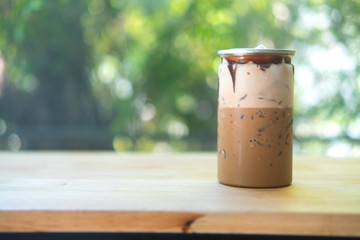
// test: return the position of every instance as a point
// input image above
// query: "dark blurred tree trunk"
(54, 50)
(59, 57)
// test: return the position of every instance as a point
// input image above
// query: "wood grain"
(172, 192)
(96, 221)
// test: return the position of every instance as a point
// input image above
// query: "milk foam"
(270, 87)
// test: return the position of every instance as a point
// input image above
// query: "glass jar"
(255, 117)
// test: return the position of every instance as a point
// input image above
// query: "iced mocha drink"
(255, 117)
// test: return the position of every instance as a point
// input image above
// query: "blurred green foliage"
(142, 75)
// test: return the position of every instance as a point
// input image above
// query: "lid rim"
(254, 51)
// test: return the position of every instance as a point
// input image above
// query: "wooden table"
(172, 193)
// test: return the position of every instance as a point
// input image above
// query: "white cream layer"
(254, 87)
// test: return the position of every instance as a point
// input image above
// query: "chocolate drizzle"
(264, 66)
(268, 99)
(243, 97)
(232, 71)
(263, 62)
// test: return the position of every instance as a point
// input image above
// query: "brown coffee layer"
(255, 146)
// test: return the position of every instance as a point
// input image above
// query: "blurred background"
(141, 75)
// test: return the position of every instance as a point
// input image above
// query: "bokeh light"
(2, 127)
(142, 75)
(14, 142)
